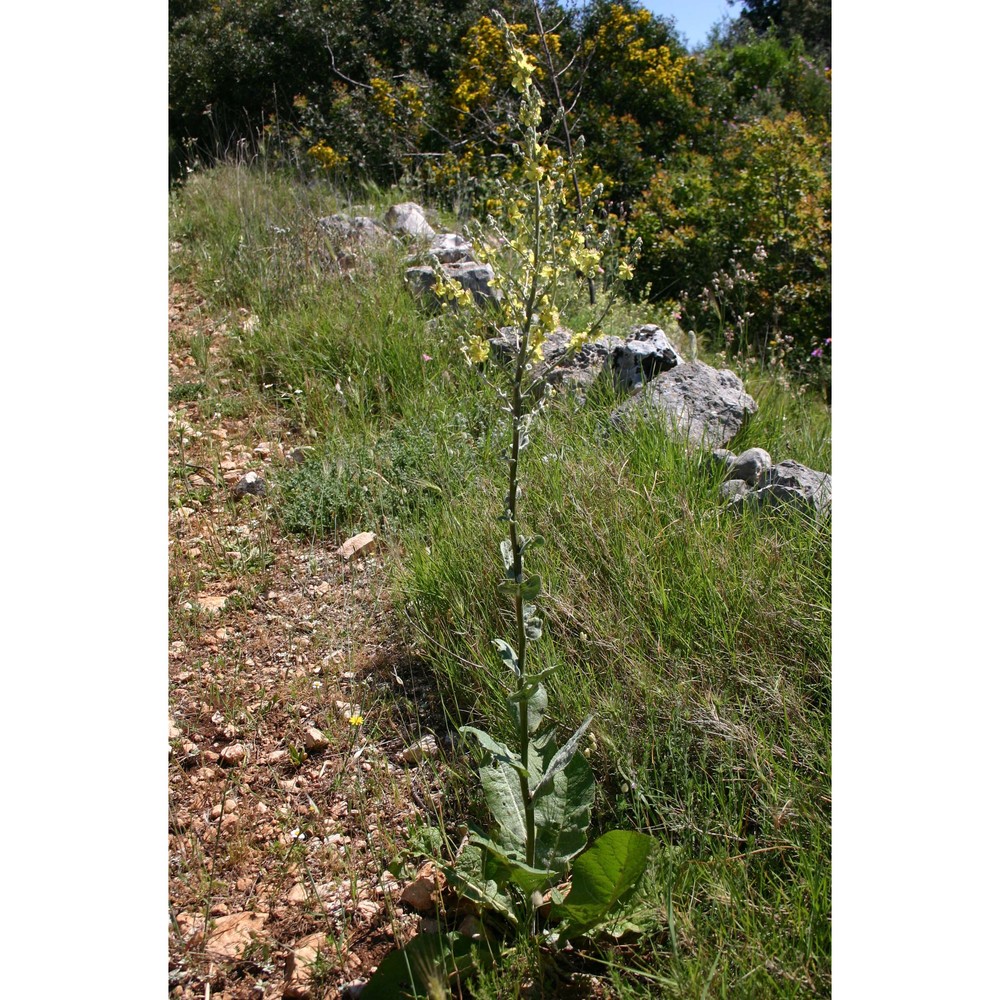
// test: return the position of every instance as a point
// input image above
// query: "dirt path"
(289, 707)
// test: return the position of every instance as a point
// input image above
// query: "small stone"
(210, 604)
(733, 488)
(297, 456)
(315, 739)
(367, 911)
(300, 963)
(277, 757)
(298, 894)
(471, 927)
(356, 545)
(173, 732)
(234, 754)
(251, 484)
(263, 449)
(233, 934)
(419, 894)
(751, 466)
(230, 824)
(426, 746)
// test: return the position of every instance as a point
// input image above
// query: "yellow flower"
(477, 350)
(355, 720)
(625, 271)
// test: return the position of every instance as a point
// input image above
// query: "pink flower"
(425, 357)
(818, 353)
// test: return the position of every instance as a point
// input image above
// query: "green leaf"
(603, 878)
(532, 623)
(531, 542)
(502, 788)
(478, 881)
(528, 589)
(507, 551)
(499, 750)
(562, 809)
(562, 757)
(508, 654)
(527, 879)
(407, 972)
(537, 699)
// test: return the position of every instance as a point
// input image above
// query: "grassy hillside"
(700, 640)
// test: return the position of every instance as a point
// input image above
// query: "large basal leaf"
(471, 877)
(406, 972)
(527, 879)
(499, 751)
(562, 807)
(502, 788)
(562, 757)
(603, 878)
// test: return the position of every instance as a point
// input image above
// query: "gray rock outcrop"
(695, 403)
(645, 353)
(352, 229)
(451, 248)
(408, 218)
(642, 354)
(471, 275)
(791, 483)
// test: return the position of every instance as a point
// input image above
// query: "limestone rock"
(300, 963)
(694, 403)
(250, 484)
(471, 275)
(791, 484)
(315, 740)
(451, 248)
(233, 934)
(357, 229)
(234, 754)
(356, 545)
(751, 466)
(408, 217)
(645, 353)
(426, 746)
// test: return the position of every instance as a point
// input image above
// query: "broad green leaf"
(406, 972)
(562, 757)
(527, 879)
(471, 880)
(502, 788)
(537, 699)
(508, 654)
(499, 750)
(603, 878)
(562, 809)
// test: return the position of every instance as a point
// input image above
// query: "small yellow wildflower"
(356, 720)
(625, 271)
(477, 350)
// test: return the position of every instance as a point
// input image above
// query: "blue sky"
(694, 17)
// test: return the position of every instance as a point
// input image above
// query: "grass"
(700, 640)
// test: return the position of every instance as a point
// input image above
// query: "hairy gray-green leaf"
(527, 879)
(507, 551)
(537, 700)
(508, 654)
(532, 623)
(562, 757)
(500, 751)
(562, 810)
(469, 877)
(603, 878)
(530, 542)
(502, 788)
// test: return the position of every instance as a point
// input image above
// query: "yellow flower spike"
(477, 350)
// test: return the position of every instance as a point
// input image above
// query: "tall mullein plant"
(540, 794)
